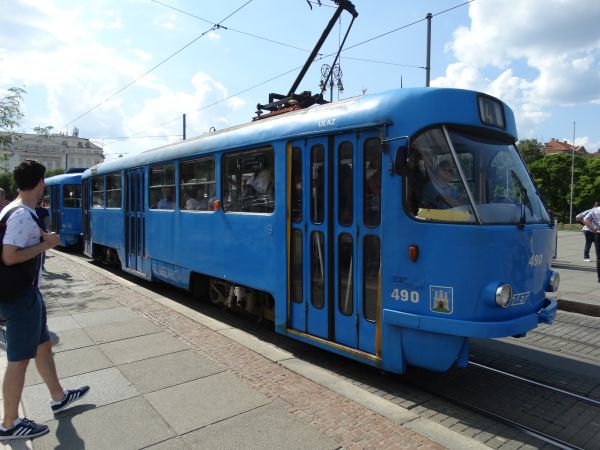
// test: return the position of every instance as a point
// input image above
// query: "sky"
(125, 71)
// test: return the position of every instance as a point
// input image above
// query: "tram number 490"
(405, 295)
(536, 260)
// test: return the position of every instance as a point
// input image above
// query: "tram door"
(335, 217)
(309, 238)
(55, 209)
(135, 218)
(86, 214)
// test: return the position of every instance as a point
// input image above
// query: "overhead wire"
(231, 29)
(214, 27)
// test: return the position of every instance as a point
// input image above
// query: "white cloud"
(142, 55)
(161, 116)
(213, 36)
(170, 22)
(56, 54)
(557, 42)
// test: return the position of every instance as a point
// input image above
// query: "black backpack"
(16, 279)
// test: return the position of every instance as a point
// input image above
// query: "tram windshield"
(469, 178)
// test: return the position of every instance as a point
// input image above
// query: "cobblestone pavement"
(349, 424)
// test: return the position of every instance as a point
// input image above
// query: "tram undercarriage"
(240, 299)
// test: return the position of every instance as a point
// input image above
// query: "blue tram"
(65, 206)
(389, 228)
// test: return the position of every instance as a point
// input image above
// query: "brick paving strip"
(348, 423)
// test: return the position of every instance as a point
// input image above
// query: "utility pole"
(184, 127)
(572, 175)
(428, 61)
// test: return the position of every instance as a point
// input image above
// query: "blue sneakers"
(23, 429)
(71, 395)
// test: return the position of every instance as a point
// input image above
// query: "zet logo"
(519, 299)
(441, 299)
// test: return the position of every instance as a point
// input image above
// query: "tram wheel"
(218, 291)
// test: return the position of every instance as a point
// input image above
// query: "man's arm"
(587, 221)
(11, 254)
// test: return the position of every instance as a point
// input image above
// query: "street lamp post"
(329, 73)
(572, 176)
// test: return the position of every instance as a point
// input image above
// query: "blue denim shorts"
(26, 326)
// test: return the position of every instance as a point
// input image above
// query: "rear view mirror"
(401, 162)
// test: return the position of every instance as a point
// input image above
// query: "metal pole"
(331, 88)
(428, 61)
(184, 127)
(572, 175)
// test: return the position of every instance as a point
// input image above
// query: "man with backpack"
(22, 305)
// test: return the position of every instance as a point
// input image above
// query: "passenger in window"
(438, 192)
(258, 193)
(168, 201)
(263, 182)
(199, 202)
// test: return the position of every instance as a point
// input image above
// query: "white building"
(56, 151)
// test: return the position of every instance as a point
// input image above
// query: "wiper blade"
(524, 197)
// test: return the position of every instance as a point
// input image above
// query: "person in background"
(587, 233)
(3, 201)
(168, 200)
(592, 221)
(27, 335)
(199, 201)
(44, 217)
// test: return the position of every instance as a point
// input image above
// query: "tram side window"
(372, 180)
(317, 184)
(345, 185)
(98, 192)
(371, 263)
(162, 187)
(113, 190)
(197, 184)
(296, 185)
(345, 275)
(72, 196)
(296, 286)
(249, 181)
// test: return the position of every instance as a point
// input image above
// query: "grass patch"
(569, 227)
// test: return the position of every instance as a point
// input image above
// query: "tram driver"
(439, 193)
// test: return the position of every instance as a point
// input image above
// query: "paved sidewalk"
(579, 290)
(164, 376)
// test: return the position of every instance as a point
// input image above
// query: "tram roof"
(64, 178)
(415, 107)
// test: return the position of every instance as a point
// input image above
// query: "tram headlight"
(503, 295)
(552, 281)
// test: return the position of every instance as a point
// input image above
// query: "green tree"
(10, 118)
(7, 182)
(43, 131)
(587, 188)
(552, 175)
(531, 150)
(10, 112)
(51, 173)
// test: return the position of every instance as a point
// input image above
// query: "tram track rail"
(558, 443)
(564, 392)
(493, 410)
